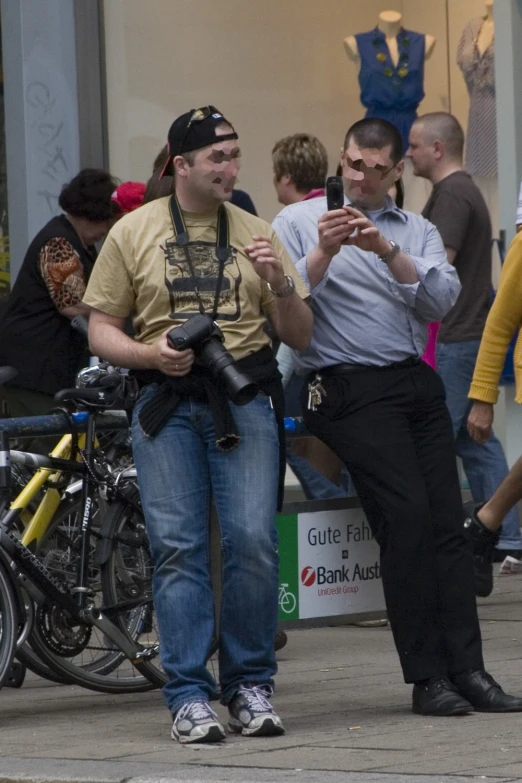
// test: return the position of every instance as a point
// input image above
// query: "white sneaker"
(252, 715)
(197, 722)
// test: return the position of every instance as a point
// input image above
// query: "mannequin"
(390, 24)
(487, 30)
(476, 59)
(390, 62)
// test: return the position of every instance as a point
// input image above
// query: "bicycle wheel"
(26, 655)
(60, 551)
(127, 579)
(8, 624)
(126, 574)
(80, 652)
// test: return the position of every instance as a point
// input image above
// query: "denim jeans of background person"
(377, 278)
(458, 210)
(175, 259)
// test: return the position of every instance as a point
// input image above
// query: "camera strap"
(222, 248)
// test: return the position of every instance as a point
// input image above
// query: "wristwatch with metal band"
(288, 290)
(388, 258)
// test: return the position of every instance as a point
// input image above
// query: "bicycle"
(57, 616)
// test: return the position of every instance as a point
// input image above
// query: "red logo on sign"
(308, 576)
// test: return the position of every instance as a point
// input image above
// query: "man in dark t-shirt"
(457, 208)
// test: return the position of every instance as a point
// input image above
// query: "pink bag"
(430, 354)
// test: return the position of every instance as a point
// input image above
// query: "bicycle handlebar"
(60, 424)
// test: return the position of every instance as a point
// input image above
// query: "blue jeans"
(177, 471)
(485, 465)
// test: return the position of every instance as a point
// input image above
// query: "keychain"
(316, 392)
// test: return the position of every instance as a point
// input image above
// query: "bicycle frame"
(37, 525)
(31, 574)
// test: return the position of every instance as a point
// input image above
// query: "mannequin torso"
(487, 31)
(390, 24)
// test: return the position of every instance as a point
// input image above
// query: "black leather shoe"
(437, 696)
(486, 695)
(281, 640)
(484, 542)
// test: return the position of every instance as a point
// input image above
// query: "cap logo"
(217, 116)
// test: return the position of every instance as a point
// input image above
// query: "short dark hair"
(443, 126)
(304, 158)
(399, 198)
(372, 132)
(88, 196)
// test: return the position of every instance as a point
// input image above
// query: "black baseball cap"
(194, 130)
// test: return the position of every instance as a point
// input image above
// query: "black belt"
(342, 369)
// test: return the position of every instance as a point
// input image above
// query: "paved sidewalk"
(345, 707)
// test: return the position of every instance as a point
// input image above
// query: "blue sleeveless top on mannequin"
(392, 92)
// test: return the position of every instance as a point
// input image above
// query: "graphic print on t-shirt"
(180, 283)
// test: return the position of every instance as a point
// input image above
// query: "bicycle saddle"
(102, 396)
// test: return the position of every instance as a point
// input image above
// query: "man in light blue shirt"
(377, 276)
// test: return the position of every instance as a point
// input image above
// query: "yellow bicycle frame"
(37, 524)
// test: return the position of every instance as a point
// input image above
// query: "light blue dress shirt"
(362, 314)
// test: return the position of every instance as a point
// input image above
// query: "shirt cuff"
(303, 271)
(425, 271)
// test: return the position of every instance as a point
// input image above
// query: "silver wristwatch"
(288, 290)
(388, 258)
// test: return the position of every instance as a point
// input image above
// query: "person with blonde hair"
(300, 168)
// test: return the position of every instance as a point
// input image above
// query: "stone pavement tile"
(455, 761)
(115, 772)
(310, 757)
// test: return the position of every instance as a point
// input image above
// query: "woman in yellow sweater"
(504, 319)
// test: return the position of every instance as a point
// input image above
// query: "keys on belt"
(316, 392)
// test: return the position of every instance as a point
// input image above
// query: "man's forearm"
(74, 310)
(293, 321)
(110, 343)
(403, 269)
(317, 263)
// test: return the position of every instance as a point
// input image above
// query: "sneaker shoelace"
(197, 710)
(257, 698)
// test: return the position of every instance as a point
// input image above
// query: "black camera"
(206, 339)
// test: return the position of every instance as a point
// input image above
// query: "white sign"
(339, 564)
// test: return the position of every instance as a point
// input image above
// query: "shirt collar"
(391, 208)
(315, 193)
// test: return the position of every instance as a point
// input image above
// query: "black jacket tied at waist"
(199, 385)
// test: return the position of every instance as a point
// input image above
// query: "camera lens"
(240, 388)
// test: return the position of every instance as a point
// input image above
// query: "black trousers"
(391, 428)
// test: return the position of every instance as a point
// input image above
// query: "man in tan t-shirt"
(190, 260)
